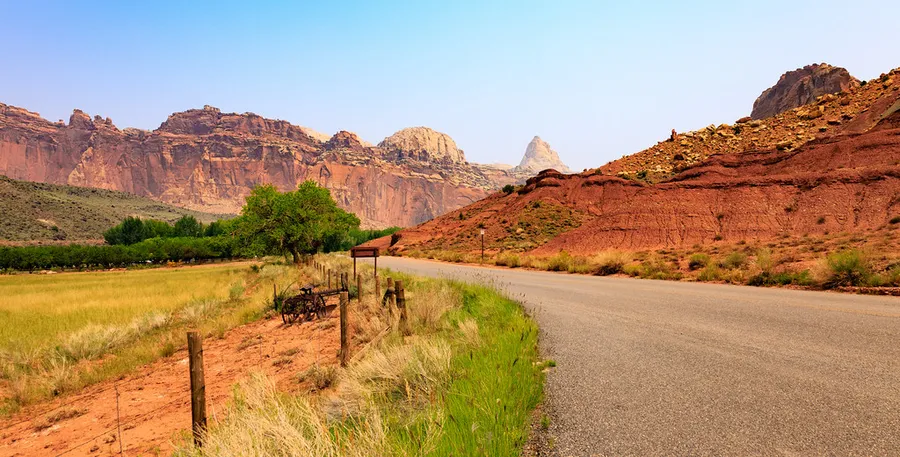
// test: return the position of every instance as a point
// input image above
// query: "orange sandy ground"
(154, 401)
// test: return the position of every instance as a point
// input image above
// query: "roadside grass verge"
(60, 333)
(834, 261)
(462, 380)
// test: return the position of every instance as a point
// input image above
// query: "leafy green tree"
(157, 229)
(188, 226)
(292, 223)
(217, 228)
(130, 231)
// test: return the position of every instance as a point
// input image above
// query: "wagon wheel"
(320, 309)
(309, 313)
(286, 309)
(303, 310)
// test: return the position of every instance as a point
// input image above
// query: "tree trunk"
(296, 255)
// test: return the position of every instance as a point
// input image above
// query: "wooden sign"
(359, 252)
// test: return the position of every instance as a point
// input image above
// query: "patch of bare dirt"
(154, 402)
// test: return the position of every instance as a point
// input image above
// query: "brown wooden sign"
(359, 252)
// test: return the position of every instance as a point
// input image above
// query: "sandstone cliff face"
(424, 144)
(801, 87)
(540, 156)
(208, 160)
(847, 183)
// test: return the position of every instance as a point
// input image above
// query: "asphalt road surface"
(668, 368)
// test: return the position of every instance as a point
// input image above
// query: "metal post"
(345, 297)
(358, 289)
(198, 387)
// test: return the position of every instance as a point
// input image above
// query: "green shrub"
(581, 265)
(450, 256)
(710, 273)
(509, 188)
(658, 269)
(633, 270)
(892, 276)
(734, 261)
(766, 278)
(560, 262)
(508, 259)
(610, 263)
(848, 268)
(698, 261)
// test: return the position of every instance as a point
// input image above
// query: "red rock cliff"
(207, 160)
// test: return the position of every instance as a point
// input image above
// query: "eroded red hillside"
(855, 110)
(843, 183)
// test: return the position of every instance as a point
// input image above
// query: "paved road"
(667, 368)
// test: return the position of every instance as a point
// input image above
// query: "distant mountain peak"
(540, 156)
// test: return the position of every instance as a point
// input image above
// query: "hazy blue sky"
(597, 80)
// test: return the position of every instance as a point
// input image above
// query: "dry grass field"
(61, 332)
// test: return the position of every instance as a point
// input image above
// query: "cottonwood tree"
(295, 222)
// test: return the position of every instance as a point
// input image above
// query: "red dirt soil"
(155, 401)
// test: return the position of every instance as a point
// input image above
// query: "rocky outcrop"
(423, 144)
(801, 87)
(540, 156)
(853, 111)
(207, 160)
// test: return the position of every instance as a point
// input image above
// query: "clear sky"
(597, 80)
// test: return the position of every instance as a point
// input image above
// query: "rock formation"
(801, 87)
(207, 160)
(423, 144)
(540, 156)
(845, 183)
(855, 110)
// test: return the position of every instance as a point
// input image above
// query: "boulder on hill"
(801, 87)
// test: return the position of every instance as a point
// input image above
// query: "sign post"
(482, 246)
(362, 252)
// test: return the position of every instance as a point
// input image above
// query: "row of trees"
(134, 230)
(155, 250)
(294, 223)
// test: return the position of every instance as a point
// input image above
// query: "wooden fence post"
(359, 288)
(345, 298)
(329, 279)
(198, 387)
(401, 303)
(377, 288)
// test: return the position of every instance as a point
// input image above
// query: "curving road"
(669, 368)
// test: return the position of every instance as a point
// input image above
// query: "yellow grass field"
(61, 332)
